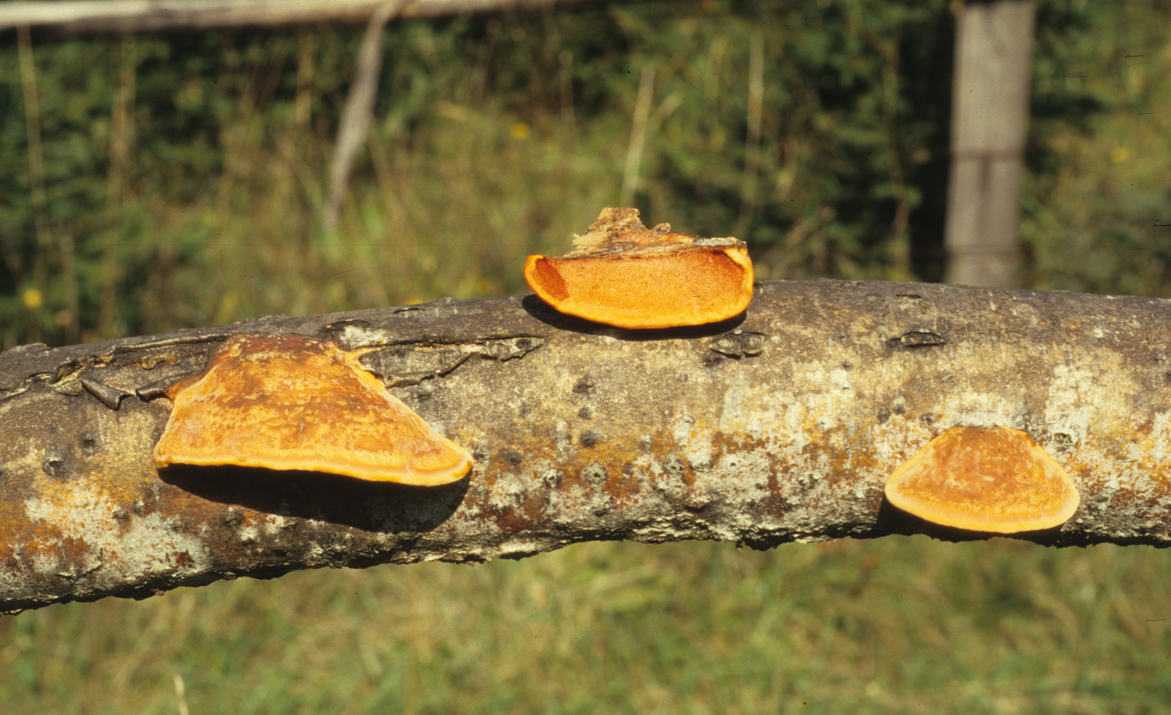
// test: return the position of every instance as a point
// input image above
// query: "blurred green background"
(170, 180)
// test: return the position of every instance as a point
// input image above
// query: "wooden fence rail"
(152, 15)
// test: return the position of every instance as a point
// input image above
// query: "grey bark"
(153, 15)
(779, 426)
(990, 112)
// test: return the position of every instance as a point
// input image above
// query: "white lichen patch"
(827, 392)
(524, 547)
(274, 524)
(1091, 410)
(1159, 451)
(698, 452)
(138, 547)
(735, 400)
(737, 479)
(510, 490)
(681, 427)
(977, 409)
(247, 534)
(578, 506)
(1080, 397)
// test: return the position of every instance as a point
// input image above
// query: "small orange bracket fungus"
(291, 402)
(623, 274)
(992, 479)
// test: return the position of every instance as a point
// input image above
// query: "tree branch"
(782, 427)
(358, 114)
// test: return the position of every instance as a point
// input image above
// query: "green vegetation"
(179, 181)
(901, 625)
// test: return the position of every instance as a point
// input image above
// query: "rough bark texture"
(153, 15)
(782, 425)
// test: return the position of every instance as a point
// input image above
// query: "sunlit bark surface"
(781, 425)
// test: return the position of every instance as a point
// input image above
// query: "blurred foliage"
(183, 174)
(1097, 196)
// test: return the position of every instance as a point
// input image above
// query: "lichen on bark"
(780, 425)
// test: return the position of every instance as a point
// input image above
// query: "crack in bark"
(781, 425)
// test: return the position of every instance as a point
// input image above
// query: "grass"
(901, 625)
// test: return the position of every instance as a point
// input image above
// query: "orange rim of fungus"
(991, 479)
(294, 403)
(628, 276)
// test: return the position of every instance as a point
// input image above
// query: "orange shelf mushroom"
(291, 402)
(992, 479)
(626, 275)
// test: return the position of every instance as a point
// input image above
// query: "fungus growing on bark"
(291, 402)
(992, 479)
(623, 274)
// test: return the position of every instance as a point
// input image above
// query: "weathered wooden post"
(990, 111)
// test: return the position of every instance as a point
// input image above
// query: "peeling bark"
(781, 425)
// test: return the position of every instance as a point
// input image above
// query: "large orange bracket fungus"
(991, 479)
(291, 402)
(626, 275)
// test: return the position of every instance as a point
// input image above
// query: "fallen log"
(780, 425)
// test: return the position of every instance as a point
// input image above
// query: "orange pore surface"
(690, 286)
(992, 479)
(290, 402)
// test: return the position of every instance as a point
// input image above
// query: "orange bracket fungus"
(992, 479)
(623, 274)
(291, 402)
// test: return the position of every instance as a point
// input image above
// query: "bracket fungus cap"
(992, 479)
(626, 275)
(291, 402)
